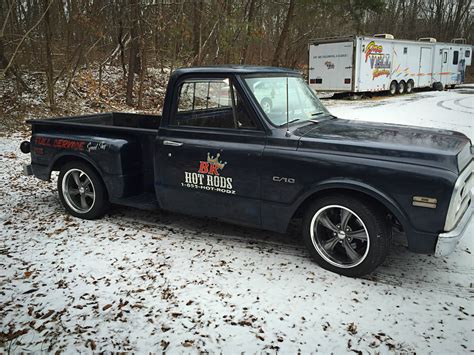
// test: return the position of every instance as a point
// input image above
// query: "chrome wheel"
(339, 236)
(266, 106)
(78, 191)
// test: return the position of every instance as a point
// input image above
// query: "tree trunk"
(283, 34)
(243, 57)
(133, 52)
(197, 37)
(49, 57)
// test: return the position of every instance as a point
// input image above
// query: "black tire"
(266, 105)
(366, 219)
(393, 88)
(438, 86)
(409, 87)
(82, 191)
(401, 87)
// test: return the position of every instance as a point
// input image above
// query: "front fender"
(358, 186)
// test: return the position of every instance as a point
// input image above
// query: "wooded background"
(59, 37)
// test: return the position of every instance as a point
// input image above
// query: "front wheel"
(82, 191)
(393, 88)
(346, 235)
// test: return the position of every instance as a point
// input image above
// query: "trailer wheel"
(346, 235)
(438, 86)
(401, 87)
(393, 88)
(409, 86)
(82, 191)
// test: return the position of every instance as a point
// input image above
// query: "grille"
(461, 197)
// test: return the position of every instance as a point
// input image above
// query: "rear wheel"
(346, 235)
(82, 191)
(393, 88)
(438, 86)
(401, 87)
(409, 86)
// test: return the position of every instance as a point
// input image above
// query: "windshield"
(271, 94)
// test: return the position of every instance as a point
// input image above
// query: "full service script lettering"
(60, 143)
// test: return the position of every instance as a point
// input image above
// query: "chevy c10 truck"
(254, 146)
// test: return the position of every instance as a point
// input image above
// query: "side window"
(455, 57)
(405, 50)
(467, 54)
(213, 103)
(445, 57)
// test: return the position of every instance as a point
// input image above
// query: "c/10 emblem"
(284, 179)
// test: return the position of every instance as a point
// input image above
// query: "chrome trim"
(27, 170)
(461, 197)
(173, 143)
(448, 241)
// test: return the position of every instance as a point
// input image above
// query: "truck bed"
(111, 120)
(127, 156)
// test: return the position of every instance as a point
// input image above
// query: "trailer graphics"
(379, 61)
(369, 64)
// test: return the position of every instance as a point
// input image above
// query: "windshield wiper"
(317, 113)
(293, 120)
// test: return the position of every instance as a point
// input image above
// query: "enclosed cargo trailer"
(369, 64)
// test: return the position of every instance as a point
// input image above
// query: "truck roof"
(234, 69)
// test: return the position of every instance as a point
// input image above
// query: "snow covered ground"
(453, 109)
(148, 281)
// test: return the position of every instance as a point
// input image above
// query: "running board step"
(144, 201)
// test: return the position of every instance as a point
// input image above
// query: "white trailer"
(381, 63)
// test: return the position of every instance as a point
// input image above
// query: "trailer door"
(444, 72)
(330, 66)
(424, 68)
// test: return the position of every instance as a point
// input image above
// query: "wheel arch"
(66, 157)
(353, 188)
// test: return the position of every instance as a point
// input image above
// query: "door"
(444, 72)
(424, 68)
(331, 66)
(208, 158)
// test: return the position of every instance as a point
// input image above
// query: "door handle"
(173, 143)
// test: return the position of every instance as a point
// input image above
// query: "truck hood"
(408, 144)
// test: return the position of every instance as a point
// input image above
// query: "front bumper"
(448, 241)
(27, 170)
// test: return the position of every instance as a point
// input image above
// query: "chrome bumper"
(448, 241)
(27, 170)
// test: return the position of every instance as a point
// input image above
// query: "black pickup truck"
(254, 146)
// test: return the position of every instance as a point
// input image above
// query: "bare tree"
(284, 34)
(133, 61)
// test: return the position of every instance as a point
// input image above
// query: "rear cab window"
(211, 103)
